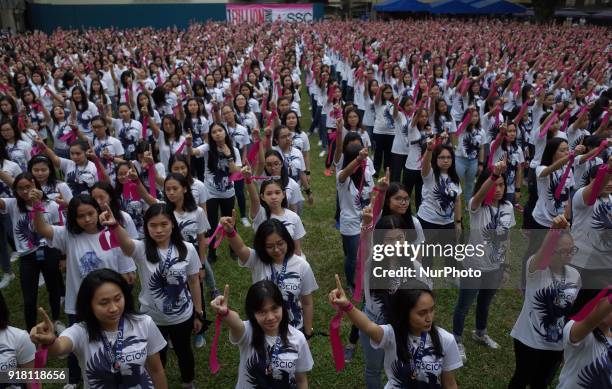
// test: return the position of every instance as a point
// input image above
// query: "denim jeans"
(374, 359)
(466, 170)
(482, 290)
(350, 244)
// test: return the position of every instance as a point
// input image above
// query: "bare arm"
(308, 308)
(156, 371)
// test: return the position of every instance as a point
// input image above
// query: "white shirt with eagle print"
(141, 339)
(548, 207)
(16, 349)
(592, 232)
(293, 358)
(290, 220)
(26, 240)
(438, 206)
(428, 370)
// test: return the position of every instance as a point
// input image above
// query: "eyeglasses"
(571, 251)
(445, 157)
(273, 164)
(401, 200)
(278, 245)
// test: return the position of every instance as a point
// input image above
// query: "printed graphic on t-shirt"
(428, 369)
(80, 181)
(283, 373)
(552, 187)
(495, 236)
(7, 358)
(553, 304)
(602, 221)
(471, 144)
(88, 263)
(25, 232)
(597, 373)
(169, 285)
(445, 195)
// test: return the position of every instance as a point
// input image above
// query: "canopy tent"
(451, 6)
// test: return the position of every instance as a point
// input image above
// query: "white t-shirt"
(540, 145)
(84, 255)
(469, 142)
(114, 148)
(586, 364)
(198, 190)
(26, 240)
(294, 161)
(352, 202)
(293, 192)
(293, 358)
(547, 300)
(141, 339)
(217, 182)
(301, 141)
(429, 368)
(591, 232)
(582, 170)
(60, 188)
(400, 145)
(438, 204)
(547, 207)
(290, 220)
(129, 134)
(298, 281)
(239, 135)
(60, 129)
(84, 118)
(13, 170)
(164, 290)
(384, 122)
(192, 224)
(16, 349)
(20, 153)
(490, 227)
(166, 150)
(80, 179)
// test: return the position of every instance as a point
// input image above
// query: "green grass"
(322, 245)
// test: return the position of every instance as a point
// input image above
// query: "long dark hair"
(350, 153)
(213, 153)
(177, 128)
(84, 103)
(284, 178)
(149, 107)
(267, 228)
(181, 158)
(21, 203)
(552, 145)
(176, 238)
(81, 199)
(483, 177)
(393, 189)
(92, 282)
(113, 202)
(262, 190)
(401, 303)
(452, 173)
(52, 179)
(189, 203)
(256, 297)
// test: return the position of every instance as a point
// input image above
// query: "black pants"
(197, 168)
(414, 180)
(212, 210)
(180, 335)
(438, 233)
(74, 371)
(240, 199)
(382, 150)
(534, 368)
(397, 166)
(29, 271)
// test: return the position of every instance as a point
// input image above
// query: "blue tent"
(402, 6)
(451, 7)
(497, 7)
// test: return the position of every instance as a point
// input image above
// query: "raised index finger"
(338, 283)
(45, 316)
(226, 294)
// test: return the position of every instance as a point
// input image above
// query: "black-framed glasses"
(571, 251)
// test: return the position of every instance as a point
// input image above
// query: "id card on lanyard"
(113, 354)
(417, 356)
(279, 278)
(273, 356)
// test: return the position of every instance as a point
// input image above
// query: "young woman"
(274, 258)
(416, 351)
(400, 147)
(82, 110)
(273, 353)
(80, 173)
(222, 159)
(197, 122)
(587, 344)
(549, 294)
(115, 345)
(18, 349)
(98, 96)
(509, 151)
(168, 269)
(299, 138)
(271, 203)
(441, 206)
(293, 158)
(273, 166)
(469, 155)
(128, 130)
(34, 255)
(43, 171)
(418, 133)
(170, 139)
(107, 148)
(80, 241)
(490, 226)
(60, 127)
(18, 150)
(179, 164)
(104, 194)
(384, 127)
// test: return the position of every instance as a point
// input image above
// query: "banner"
(264, 13)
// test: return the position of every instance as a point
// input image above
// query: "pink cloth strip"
(548, 123)
(112, 240)
(335, 341)
(590, 306)
(602, 146)
(151, 177)
(213, 361)
(598, 183)
(549, 248)
(566, 173)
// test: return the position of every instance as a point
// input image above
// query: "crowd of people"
(123, 155)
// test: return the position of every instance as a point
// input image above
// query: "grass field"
(322, 245)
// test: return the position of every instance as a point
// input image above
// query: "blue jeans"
(482, 290)
(350, 244)
(373, 359)
(466, 170)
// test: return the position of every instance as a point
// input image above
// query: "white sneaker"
(6, 280)
(41, 280)
(322, 154)
(70, 386)
(486, 340)
(319, 143)
(59, 327)
(245, 222)
(14, 256)
(462, 352)
(170, 345)
(199, 341)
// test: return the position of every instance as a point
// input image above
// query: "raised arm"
(350, 168)
(220, 306)
(559, 223)
(235, 241)
(426, 168)
(125, 242)
(254, 203)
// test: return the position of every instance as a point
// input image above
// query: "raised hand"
(36, 195)
(106, 217)
(560, 223)
(228, 223)
(220, 303)
(337, 296)
(367, 216)
(383, 182)
(44, 332)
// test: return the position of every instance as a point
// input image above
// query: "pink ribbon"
(488, 200)
(494, 147)
(38, 149)
(597, 184)
(145, 127)
(566, 173)
(213, 361)
(218, 231)
(335, 341)
(464, 85)
(252, 154)
(126, 95)
(548, 123)
(70, 136)
(549, 248)
(330, 144)
(566, 119)
(40, 361)
(496, 113)
(99, 169)
(32, 214)
(181, 147)
(60, 212)
(110, 242)
(464, 124)
(151, 177)
(590, 306)
(237, 176)
(600, 148)
(130, 191)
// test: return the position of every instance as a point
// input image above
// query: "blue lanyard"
(273, 356)
(279, 278)
(115, 357)
(418, 355)
(166, 264)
